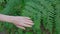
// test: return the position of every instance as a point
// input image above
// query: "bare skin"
(19, 21)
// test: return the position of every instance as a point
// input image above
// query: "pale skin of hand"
(19, 21)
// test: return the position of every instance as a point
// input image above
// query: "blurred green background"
(44, 13)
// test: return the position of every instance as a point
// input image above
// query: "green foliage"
(44, 13)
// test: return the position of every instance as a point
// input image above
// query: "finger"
(21, 27)
(27, 17)
(29, 20)
(24, 25)
(29, 23)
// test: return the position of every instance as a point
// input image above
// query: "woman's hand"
(21, 22)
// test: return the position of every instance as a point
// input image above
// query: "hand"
(21, 22)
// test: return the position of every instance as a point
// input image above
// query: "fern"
(44, 13)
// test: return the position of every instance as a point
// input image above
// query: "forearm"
(4, 18)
